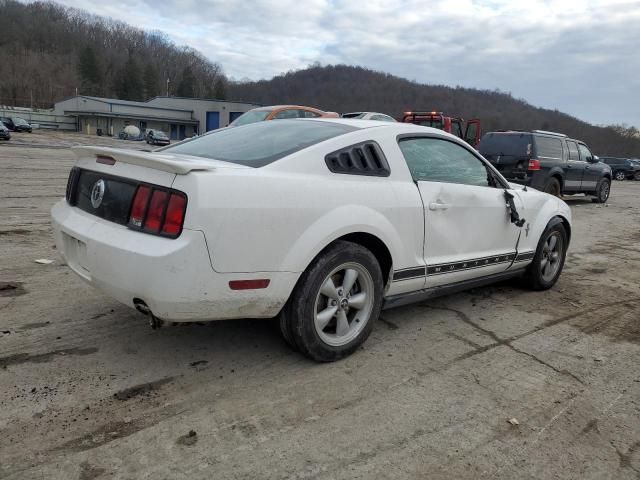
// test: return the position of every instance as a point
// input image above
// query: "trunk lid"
(104, 180)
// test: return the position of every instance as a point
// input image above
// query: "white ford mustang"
(320, 222)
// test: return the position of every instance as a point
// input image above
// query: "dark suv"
(623, 168)
(547, 161)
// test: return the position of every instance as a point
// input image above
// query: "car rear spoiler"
(171, 163)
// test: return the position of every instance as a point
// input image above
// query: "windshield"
(352, 115)
(251, 116)
(261, 143)
(19, 121)
(159, 134)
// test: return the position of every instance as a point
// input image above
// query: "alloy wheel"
(344, 304)
(551, 258)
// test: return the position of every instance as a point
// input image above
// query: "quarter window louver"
(366, 158)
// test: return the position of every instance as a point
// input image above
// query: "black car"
(623, 168)
(16, 124)
(157, 137)
(547, 161)
(5, 134)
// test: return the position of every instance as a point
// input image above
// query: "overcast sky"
(581, 57)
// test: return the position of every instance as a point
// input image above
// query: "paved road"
(88, 390)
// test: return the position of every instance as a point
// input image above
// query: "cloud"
(577, 56)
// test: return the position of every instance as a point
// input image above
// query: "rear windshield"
(353, 115)
(505, 144)
(261, 143)
(251, 116)
(434, 122)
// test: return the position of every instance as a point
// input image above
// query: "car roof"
(280, 107)
(363, 124)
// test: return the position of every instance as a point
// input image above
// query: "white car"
(320, 222)
(383, 117)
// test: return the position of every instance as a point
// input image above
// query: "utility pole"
(168, 81)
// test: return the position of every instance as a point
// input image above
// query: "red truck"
(469, 131)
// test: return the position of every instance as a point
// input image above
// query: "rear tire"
(549, 259)
(620, 176)
(603, 189)
(335, 304)
(553, 187)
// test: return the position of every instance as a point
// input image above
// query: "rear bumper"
(173, 277)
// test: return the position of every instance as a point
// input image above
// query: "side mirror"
(594, 159)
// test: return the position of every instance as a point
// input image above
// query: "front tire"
(603, 189)
(549, 259)
(553, 187)
(335, 303)
(620, 176)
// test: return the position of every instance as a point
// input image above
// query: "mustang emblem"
(97, 193)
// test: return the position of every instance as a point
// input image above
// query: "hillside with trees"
(345, 88)
(49, 50)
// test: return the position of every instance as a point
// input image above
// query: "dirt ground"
(89, 391)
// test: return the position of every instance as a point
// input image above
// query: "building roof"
(130, 115)
(130, 103)
(206, 100)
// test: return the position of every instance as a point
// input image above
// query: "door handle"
(438, 206)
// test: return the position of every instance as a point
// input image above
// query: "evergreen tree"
(187, 86)
(129, 84)
(151, 84)
(90, 72)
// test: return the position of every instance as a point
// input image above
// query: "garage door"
(234, 115)
(213, 120)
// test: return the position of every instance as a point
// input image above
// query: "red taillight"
(139, 206)
(159, 211)
(175, 214)
(534, 165)
(156, 210)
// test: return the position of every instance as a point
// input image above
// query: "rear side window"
(287, 114)
(573, 150)
(259, 144)
(505, 145)
(548, 147)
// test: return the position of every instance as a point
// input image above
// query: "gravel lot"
(88, 390)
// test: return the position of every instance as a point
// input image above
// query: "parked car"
(322, 223)
(369, 116)
(5, 134)
(279, 112)
(623, 168)
(547, 161)
(17, 124)
(156, 137)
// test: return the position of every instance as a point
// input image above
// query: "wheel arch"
(558, 174)
(561, 220)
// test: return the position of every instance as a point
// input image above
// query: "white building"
(179, 117)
